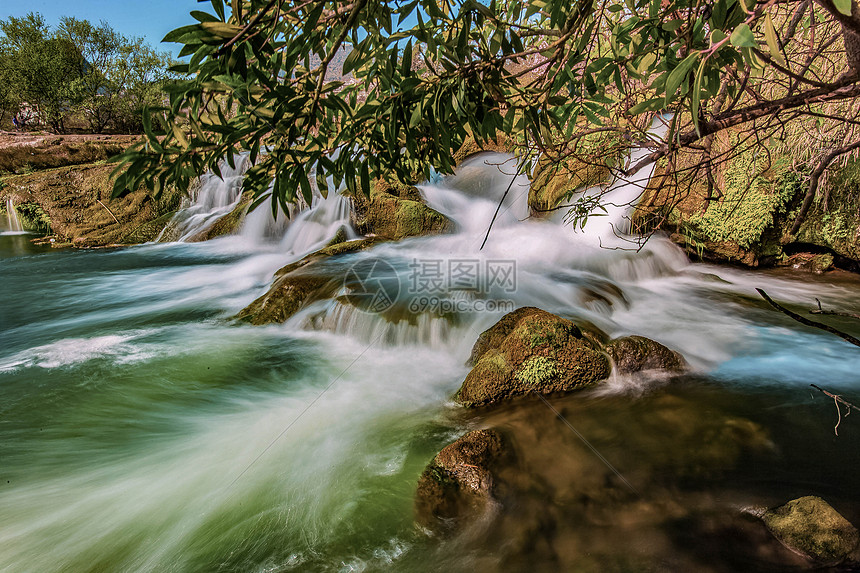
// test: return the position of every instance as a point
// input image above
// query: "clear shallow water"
(142, 430)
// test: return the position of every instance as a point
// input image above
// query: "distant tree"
(120, 75)
(79, 68)
(140, 74)
(43, 69)
(99, 47)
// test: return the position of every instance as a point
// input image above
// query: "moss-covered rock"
(812, 262)
(76, 203)
(459, 482)
(635, 353)
(809, 525)
(531, 350)
(396, 211)
(553, 183)
(301, 283)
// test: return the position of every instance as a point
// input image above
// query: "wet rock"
(810, 526)
(225, 225)
(459, 483)
(635, 353)
(811, 262)
(302, 283)
(531, 350)
(396, 212)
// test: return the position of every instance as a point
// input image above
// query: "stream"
(141, 429)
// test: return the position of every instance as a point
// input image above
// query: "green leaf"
(844, 6)
(743, 37)
(678, 75)
(772, 43)
(406, 64)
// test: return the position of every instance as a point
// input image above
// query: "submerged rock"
(635, 353)
(531, 350)
(810, 526)
(459, 482)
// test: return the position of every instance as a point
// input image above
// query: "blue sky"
(151, 19)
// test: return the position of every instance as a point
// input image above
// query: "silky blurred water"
(142, 429)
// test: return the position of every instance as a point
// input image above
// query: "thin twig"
(832, 312)
(499, 207)
(108, 210)
(845, 336)
(837, 399)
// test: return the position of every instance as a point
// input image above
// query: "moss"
(811, 526)
(287, 295)
(387, 212)
(33, 218)
(149, 231)
(77, 201)
(301, 283)
(537, 370)
(531, 350)
(754, 193)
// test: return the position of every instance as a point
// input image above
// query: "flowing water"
(13, 224)
(143, 430)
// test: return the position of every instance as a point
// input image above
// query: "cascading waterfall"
(212, 198)
(12, 217)
(143, 432)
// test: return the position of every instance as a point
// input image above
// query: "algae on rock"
(810, 525)
(531, 350)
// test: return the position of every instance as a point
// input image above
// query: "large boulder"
(810, 526)
(531, 350)
(636, 353)
(396, 211)
(459, 483)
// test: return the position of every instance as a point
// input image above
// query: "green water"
(142, 430)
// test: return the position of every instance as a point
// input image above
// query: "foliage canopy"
(417, 78)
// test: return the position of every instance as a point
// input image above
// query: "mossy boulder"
(396, 211)
(301, 283)
(636, 353)
(810, 526)
(553, 183)
(459, 482)
(531, 350)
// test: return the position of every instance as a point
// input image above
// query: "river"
(141, 429)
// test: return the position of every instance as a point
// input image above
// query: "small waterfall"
(212, 198)
(12, 217)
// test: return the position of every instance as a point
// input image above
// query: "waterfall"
(13, 222)
(212, 198)
(549, 264)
